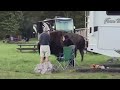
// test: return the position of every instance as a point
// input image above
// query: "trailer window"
(113, 12)
(65, 25)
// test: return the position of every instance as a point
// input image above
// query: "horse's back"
(78, 40)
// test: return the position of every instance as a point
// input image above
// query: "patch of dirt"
(117, 70)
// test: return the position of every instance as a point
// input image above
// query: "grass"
(17, 65)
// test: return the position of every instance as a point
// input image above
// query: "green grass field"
(17, 65)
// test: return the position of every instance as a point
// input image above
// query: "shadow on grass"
(28, 52)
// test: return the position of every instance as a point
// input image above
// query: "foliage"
(20, 22)
(10, 22)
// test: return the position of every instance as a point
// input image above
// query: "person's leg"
(48, 64)
(41, 59)
(47, 59)
(42, 56)
(47, 54)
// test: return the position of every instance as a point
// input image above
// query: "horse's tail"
(82, 47)
(82, 44)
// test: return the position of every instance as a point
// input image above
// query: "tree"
(20, 22)
(10, 22)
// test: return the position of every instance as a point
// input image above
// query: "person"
(7, 38)
(45, 65)
(68, 42)
(11, 38)
(44, 41)
(27, 39)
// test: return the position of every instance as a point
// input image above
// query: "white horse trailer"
(103, 32)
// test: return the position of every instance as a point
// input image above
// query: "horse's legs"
(38, 46)
(82, 54)
(75, 52)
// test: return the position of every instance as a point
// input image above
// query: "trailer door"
(109, 38)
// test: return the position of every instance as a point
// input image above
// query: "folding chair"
(67, 57)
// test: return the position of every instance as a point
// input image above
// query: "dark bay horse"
(56, 43)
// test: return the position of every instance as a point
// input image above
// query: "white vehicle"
(56, 24)
(103, 32)
(61, 24)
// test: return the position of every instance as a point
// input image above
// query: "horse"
(79, 42)
(56, 43)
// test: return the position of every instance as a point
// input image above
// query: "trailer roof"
(48, 19)
(64, 18)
